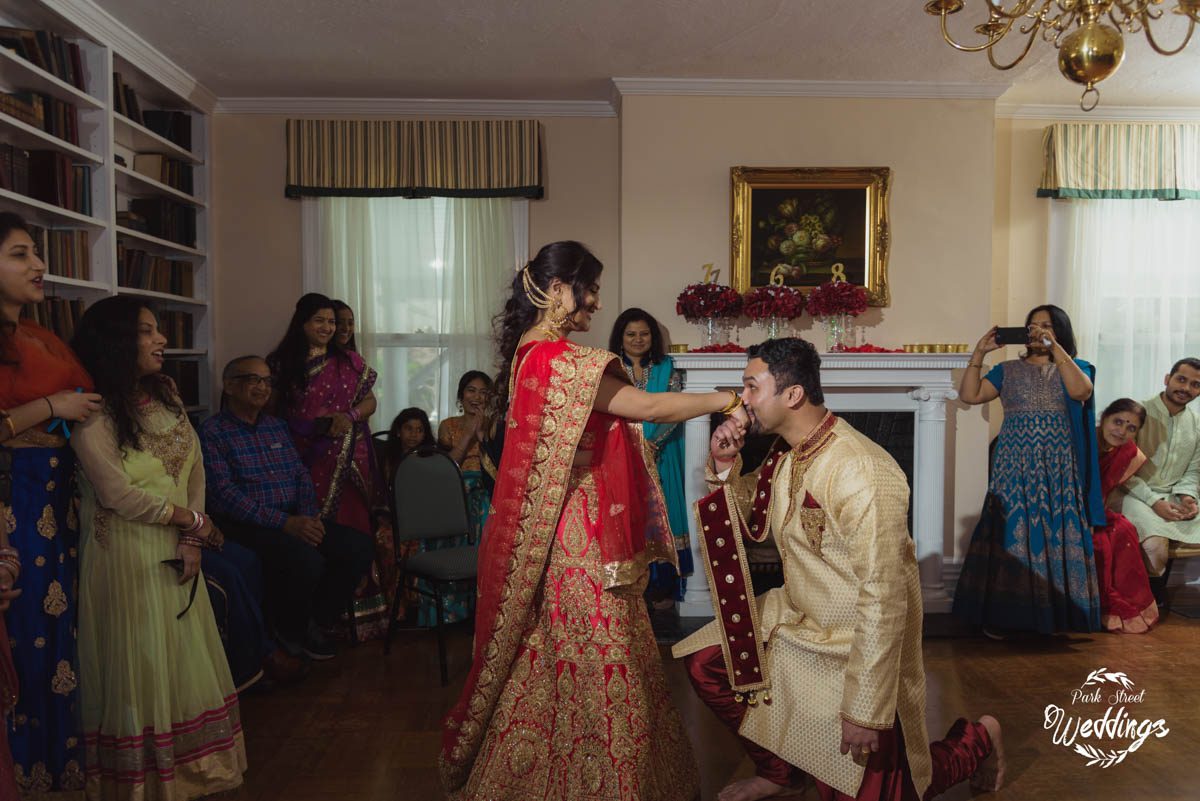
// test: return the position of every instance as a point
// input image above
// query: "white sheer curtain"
(1128, 273)
(425, 278)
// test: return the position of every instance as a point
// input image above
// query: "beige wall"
(257, 238)
(1021, 222)
(675, 158)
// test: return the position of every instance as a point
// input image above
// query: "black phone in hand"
(1016, 335)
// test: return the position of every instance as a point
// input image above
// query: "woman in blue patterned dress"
(1036, 571)
(41, 383)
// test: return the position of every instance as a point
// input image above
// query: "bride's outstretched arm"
(619, 398)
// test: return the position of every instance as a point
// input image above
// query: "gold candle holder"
(679, 348)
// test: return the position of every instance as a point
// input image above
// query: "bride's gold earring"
(558, 315)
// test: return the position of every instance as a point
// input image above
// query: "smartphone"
(1016, 335)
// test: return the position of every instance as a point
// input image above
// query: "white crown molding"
(135, 50)
(412, 107)
(727, 87)
(1072, 113)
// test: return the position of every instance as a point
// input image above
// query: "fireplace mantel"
(920, 383)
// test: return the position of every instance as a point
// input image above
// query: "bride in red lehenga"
(566, 698)
(1126, 602)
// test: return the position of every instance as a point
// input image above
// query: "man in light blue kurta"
(1161, 499)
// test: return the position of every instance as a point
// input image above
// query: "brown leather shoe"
(281, 668)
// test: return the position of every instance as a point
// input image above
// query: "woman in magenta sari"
(325, 394)
(1126, 603)
(566, 698)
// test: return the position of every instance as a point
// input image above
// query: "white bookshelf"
(108, 142)
(135, 184)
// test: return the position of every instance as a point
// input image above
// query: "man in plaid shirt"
(261, 495)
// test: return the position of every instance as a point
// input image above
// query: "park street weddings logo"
(1118, 731)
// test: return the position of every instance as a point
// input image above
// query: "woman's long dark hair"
(106, 342)
(341, 306)
(1128, 405)
(569, 262)
(1060, 322)
(470, 376)
(288, 362)
(616, 342)
(394, 450)
(9, 222)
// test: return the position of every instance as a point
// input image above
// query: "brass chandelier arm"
(1133, 16)
(1028, 44)
(971, 48)
(1020, 10)
(1150, 38)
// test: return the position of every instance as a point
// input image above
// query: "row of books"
(125, 100)
(172, 172)
(48, 51)
(176, 326)
(162, 218)
(186, 373)
(60, 315)
(46, 113)
(138, 269)
(66, 253)
(174, 126)
(46, 175)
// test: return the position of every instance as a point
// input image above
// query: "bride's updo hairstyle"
(572, 264)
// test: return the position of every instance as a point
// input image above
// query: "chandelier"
(1087, 33)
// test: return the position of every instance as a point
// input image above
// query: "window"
(425, 278)
(1128, 273)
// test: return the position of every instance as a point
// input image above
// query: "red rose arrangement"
(702, 301)
(728, 347)
(869, 348)
(837, 297)
(773, 301)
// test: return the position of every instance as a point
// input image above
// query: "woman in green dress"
(160, 713)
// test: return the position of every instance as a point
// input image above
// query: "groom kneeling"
(823, 675)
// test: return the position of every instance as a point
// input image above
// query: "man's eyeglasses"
(254, 380)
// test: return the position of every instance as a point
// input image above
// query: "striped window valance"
(414, 158)
(1121, 160)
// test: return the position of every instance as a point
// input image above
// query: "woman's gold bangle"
(733, 404)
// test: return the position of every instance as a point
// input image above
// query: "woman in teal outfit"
(637, 338)
(462, 436)
(1030, 565)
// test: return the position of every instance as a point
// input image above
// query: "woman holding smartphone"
(1036, 571)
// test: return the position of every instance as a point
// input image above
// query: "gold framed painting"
(802, 226)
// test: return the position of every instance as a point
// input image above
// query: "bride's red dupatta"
(555, 387)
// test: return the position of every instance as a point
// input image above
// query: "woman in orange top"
(41, 385)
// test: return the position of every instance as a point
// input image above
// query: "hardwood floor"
(367, 727)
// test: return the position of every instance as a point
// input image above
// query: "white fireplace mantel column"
(917, 383)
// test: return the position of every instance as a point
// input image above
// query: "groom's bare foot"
(750, 790)
(989, 777)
